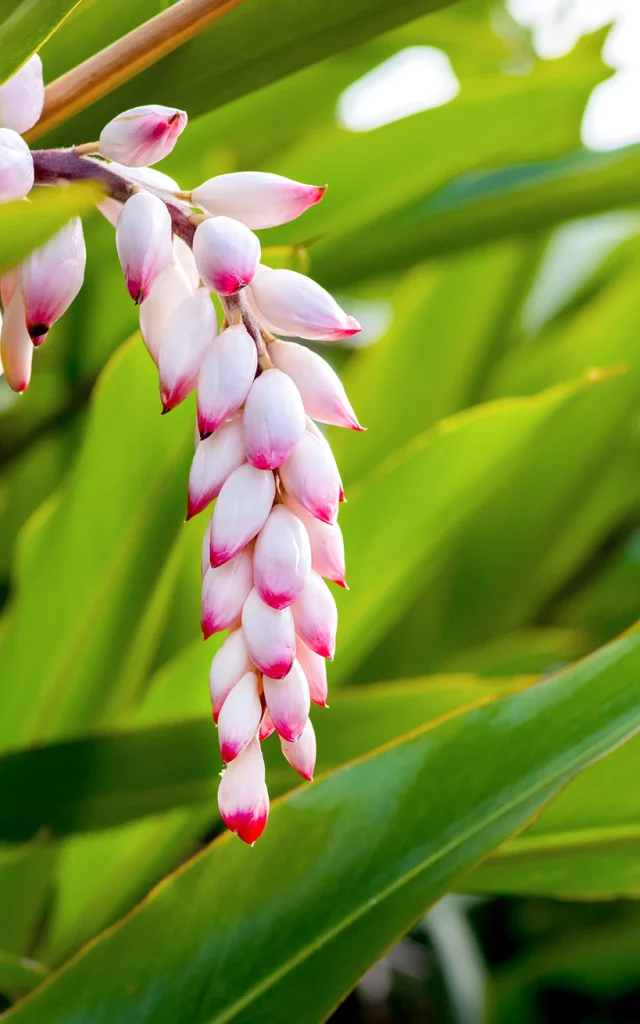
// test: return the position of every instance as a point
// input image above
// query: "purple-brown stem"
(52, 166)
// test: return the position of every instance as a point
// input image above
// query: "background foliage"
(492, 540)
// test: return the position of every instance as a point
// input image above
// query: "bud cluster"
(272, 539)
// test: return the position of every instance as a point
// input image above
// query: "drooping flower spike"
(272, 538)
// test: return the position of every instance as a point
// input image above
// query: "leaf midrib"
(306, 951)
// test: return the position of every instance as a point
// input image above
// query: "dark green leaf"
(366, 849)
(25, 225)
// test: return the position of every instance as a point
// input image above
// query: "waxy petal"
(320, 388)
(16, 166)
(230, 663)
(269, 636)
(266, 727)
(243, 504)
(187, 337)
(16, 347)
(292, 304)
(226, 374)
(226, 254)
(282, 558)
(242, 795)
(327, 544)
(288, 702)
(240, 717)
(214, 461)
(224, 592)
(314, 667)
(316, 617)
(170, 289)
(310, 476)
(51, 277)
(301, 754)
(257, 199)
(142, 135)
(274, 419)
(144, 243)
(22, 97)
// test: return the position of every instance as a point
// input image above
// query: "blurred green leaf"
(96, 558)
(25, 27)
(19, 973)
(414, 507)
(25, 884)
(26, 225)
(481, 207)
(387, 854)
(277, 38)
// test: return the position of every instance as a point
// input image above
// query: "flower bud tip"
(38, 333)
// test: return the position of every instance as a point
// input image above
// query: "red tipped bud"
(257, 199)
(269, 636)
(224, 592)
(242, 795)
(142, 135)
(241, 511)
(288, 702)
(282, 559)
(226, 374)
(226, 253)
(292, 304)
(274, 419)
(143, 240)
(316, 617)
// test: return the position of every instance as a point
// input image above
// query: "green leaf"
(410, 511)
(277, 38)
(481, 207)
(367, 849)
(25, 882)
(19, 973)
(26, 27)
(25, 225)
(100, 781)
(96, 558)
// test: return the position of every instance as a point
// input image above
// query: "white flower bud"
(291, 304)
(51, 277)
(226, 253)
(143, 241)
(259, 200)
(16, 166)
(142, 135)
(22, 97)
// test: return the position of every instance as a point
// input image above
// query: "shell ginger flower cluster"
(272, 539)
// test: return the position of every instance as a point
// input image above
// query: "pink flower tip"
(246, 826)
(38, 333)
(318, 194)
(279, 669)
(229, 750)
(218, 556)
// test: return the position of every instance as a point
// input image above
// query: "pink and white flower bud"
(292, 304)
(170, 289)
(22, 97)
(314, 429)
(16, 166)
(226, 374)
(327, 544)
(226, 254)
(321, 389)
(314, 667)
(51, 277)
(230, 663)
(282, 559)
(242, 795)
(257, 199)
(240, 717)
(301, 755)
(187, 337)
(243, 504)
(16, 347)
(142, 135)
(288, 702)
(316, 617)
(144, 243)
(224, 592)
(213, 463)
(274, 419)
(266, 727)
(311, 477)
(269, 635)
